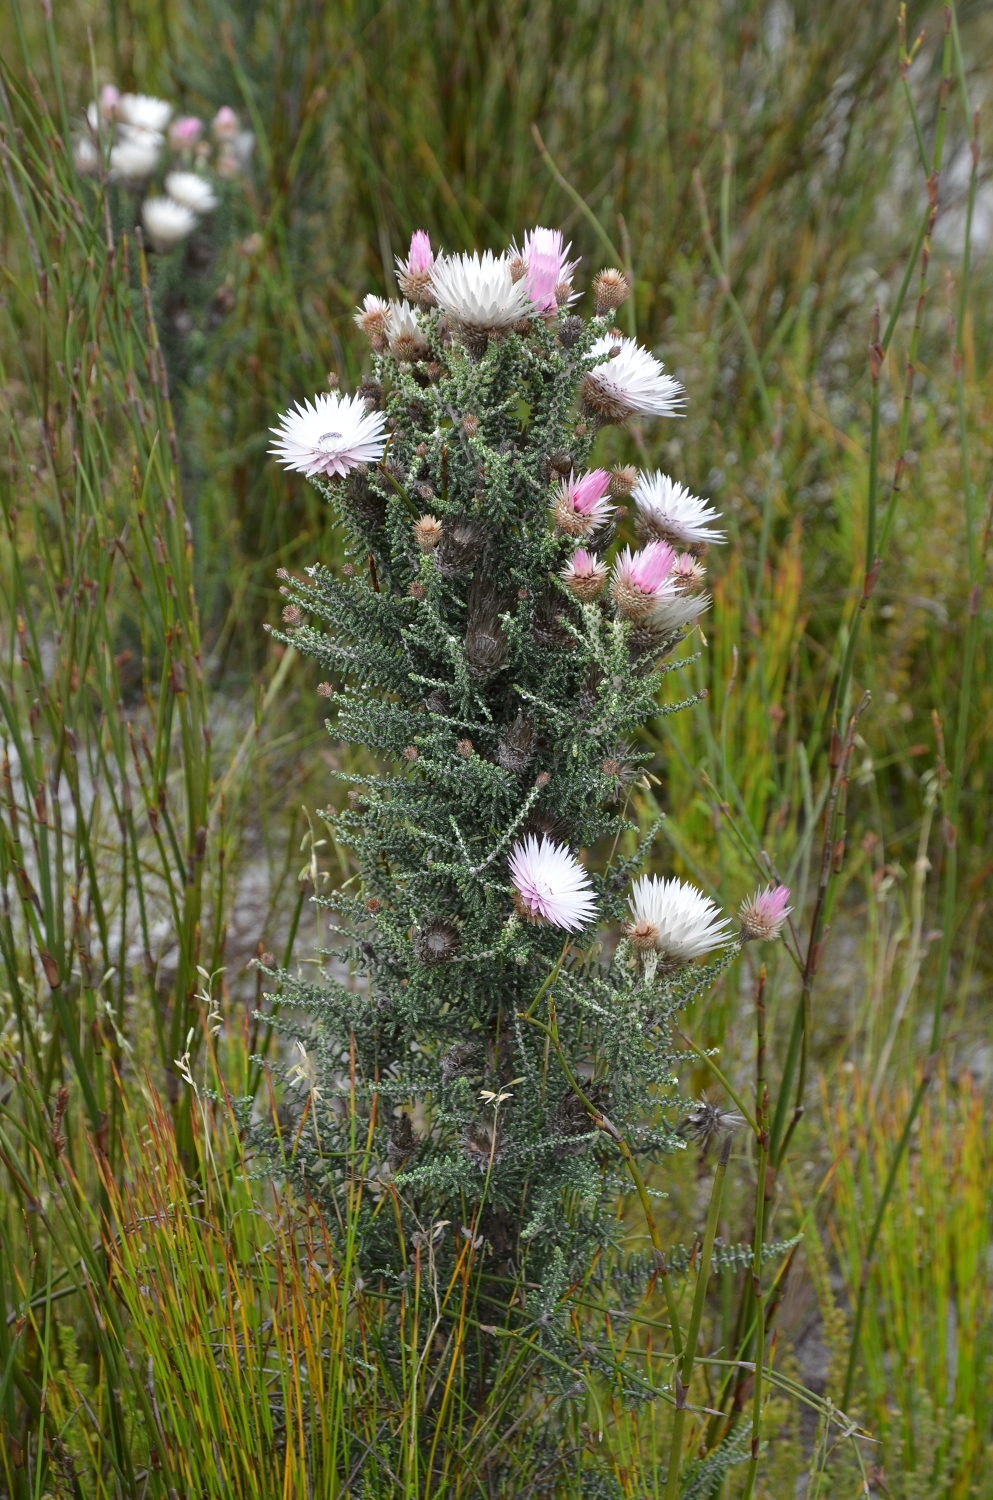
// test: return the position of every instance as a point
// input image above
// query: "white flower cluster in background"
(133, 137)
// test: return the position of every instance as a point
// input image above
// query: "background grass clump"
(800, 197)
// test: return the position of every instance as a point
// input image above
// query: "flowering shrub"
(507, 1030)
(134, 136)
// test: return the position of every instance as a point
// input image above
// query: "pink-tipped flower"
(580, 505)
(414, 273)
(640, 582)
(185, 132)
(550, 885)
(109, 96)
(329, 435)
(584, 576)
(224, 126)
(688, 573)
(547, 270)
(373, 317)
(763, 915)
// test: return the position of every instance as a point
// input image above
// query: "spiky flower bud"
(570, 331)
(763, 915)
(584, 576)
(373, 318)
(623, 478)
(610, 289)
(437, 942)
(687, 573)
(427, 532)
(580, 507)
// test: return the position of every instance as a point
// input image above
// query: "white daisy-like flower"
(479, 292)
(550, 885)
(329, 435)
(167, 222)
(667, 510)
(85, 156)
(403, 331)
(192, 190)
(675, 920)
(135, 157)
(144, 112)
(630, 382)
(674, 607)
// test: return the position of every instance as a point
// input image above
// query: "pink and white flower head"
(550, 885)
(329, 435)
(404, 332)
(584, 575)
(185, 132)
(763, 915)
(628, 382)
(546, 268)
(675, 920)
(640, 581)
(581, 504)
(109, 97)
(667, 509)
(688, 573)
(373, 317)
(414, 273)
(479, 292)
(224, 125)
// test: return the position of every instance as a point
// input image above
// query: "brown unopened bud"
(427, 533)
(563, 292)
(543, 779)
(267, 960)
(333, 381)
(470, 425)
(373, 904)
(410, 754)
(348, 570)
(325, 690)
(518, 268)
(425, 491)
(421, 450)
(293, 615)
(610, 289)
(417, 590)
(464, 748)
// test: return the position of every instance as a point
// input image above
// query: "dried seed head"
(561, 463)
(610, 289)
(410, 753)
(437, 701)
(706, 1120)
(325, 690)
(482, 1143)
(427, 532)
(515, 749)
(402, 1142)
(425, 491)
(367, 505)
(462, 540)
(437, 942)
(464, 748)
(292, 616)
(458, 1060)
(571, 331)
